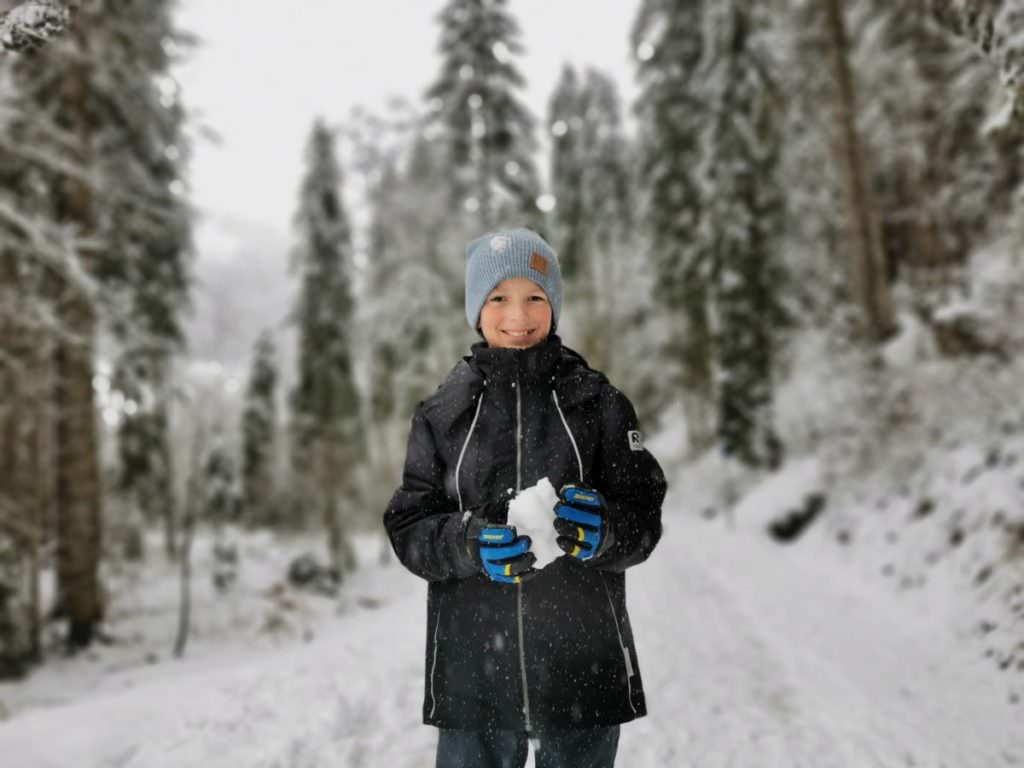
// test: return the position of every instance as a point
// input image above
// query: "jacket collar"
(536, 362)
(574, 381)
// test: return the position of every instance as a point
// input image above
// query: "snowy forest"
(799, 250)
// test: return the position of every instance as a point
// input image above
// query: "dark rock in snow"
(983, 575)
(924, 508)
(793, 524)
(304, 572)
(993, 457)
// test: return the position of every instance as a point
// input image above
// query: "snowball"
(532, 513)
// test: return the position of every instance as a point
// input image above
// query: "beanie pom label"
(539, 263)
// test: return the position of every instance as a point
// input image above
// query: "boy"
(514, 653)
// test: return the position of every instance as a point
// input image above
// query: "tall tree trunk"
(193, 493)
(695, 353)
(78, 476)
(24, 375)
(78, 482)
(867, 267)
(326, 483)
(40, 442)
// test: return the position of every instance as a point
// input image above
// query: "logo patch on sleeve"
(636, 440)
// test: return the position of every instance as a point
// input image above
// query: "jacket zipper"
(519, 437)
(519, 586)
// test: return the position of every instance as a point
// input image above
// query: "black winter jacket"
(557, 650)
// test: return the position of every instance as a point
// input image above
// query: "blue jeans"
(591, 747)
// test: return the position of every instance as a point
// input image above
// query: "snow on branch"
(12, 523)
(53, 247)
(29, 25)
(996, 28)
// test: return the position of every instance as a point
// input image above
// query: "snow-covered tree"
(942, 179)
(411, 315)
(219, 484)
(93, 220)
(47, 153)
(488, 129)
(994, 28)
(869, 278)
(31, 24)
(259, 434)
(593, 219)
(712, 138)
(668, 42)
(145, 467)
(144, 269)
(743, 212)
(325, 406)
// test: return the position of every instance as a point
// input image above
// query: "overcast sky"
(260, 77)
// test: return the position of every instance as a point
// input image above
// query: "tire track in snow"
(719, 695)
(749, 657)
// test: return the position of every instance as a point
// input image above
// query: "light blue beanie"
(509, 253)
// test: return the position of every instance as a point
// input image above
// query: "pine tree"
(145, 474)
(992, 27)
(593, 215)
(259, 432)
(411, 311)
(29, 242)
(88, 150)
(668, 42)
(220, 509)
(324, 403)
(144, 269)
(740, 235)
(869, 276)
(712, 131)
(940, 174)
(49, 151)
(488, 130)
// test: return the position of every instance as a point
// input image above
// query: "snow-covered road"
(756, 655)
(752, 655)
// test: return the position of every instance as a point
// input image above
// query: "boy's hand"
(580, 522)
(502, 555)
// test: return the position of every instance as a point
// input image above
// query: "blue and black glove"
(580, 522)
(500, 553)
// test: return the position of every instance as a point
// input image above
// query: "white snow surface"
(752, 654)
(532, 512)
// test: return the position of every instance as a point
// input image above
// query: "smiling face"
(516, 314)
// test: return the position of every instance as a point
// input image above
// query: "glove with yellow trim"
(580, 522)
(501, 554)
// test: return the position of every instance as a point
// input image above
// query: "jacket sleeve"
(422, 522)
(632, 483)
